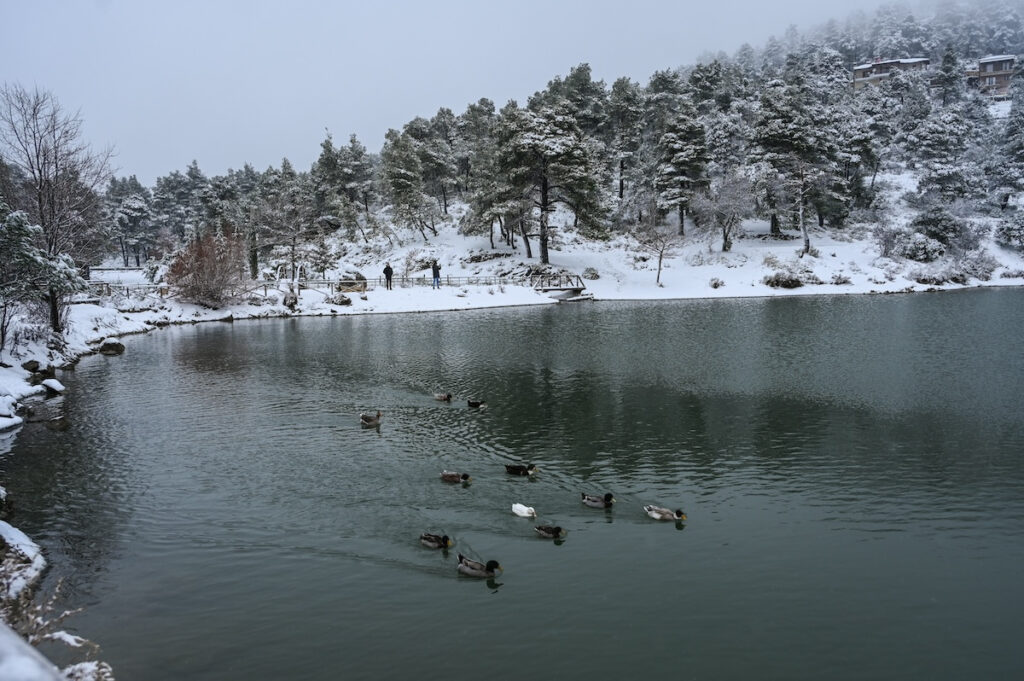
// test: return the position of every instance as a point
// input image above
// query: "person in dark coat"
(435, 270)
(387, 274)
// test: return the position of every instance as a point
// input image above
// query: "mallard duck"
(550, 531)
(434, 541)
(443, 397)
(659, 513)
(453, 476)
(524, 511)
(597, 502)
(369, 419)
(474, 568)
(476, 404)
(519, 469)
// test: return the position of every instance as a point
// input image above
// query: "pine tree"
(546, 158)
(683, 160)
(950, 78)
(402, 177)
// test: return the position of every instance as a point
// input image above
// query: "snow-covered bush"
(1011, 232)
(978, 265)
(782, 279)
(935, 275)
(839, 279)
(1012, 274)
(590, 274)
(716, 283)
(955, 233)
(897, 242)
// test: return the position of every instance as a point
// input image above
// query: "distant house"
(880, 69)
(992, 75)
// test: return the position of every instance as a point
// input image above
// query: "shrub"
(1011, 232)
(840, 279)
(782, 279)
(210, 271)
(716, 283)
(978, 264)
(1012, 274)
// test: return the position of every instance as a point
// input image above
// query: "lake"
(851, 469)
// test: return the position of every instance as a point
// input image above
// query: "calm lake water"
(851, 468)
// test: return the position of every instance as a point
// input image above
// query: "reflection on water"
(850, 470)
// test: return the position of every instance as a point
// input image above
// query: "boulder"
(30, 366)
(110, 346)
(53, 386)
(590, 274)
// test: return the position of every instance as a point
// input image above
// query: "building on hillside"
(880, 69)
(992, 75)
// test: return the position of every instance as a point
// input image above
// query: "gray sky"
(227, 83)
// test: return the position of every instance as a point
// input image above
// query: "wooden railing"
(328, 286)
(557, 282)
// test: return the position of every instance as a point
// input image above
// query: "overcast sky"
(225, 83)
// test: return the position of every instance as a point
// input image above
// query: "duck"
(659, 513)
(443, 397)
(453, 476)
(595, 501)
(476, 404)
(524, 511)
(519, 469)
(369, 419)
(474, 568)
(434, 541)
(549, 531)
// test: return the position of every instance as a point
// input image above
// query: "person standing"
(435, 270)
(387, 274)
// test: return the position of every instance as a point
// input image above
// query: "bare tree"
(659, 239)
(63, 177)
(725, 204)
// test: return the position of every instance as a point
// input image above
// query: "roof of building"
(914, 60)
(997, 57)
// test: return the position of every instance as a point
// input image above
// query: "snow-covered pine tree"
(625, 111)
(402, 179)
(950, 79)
(683, 159)
(546, 158)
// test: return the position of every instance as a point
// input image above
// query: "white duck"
(524, 511)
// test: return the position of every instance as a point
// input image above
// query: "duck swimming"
(443, 397)
(550, 531)
(476, 404)
(474, 568)
(433, 541)
(524, 511)
(453, 476)
(659, 513)
(369, 419)
(597, 502)
(519, 469)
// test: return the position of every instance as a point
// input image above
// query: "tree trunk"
(526, 238)
(124, 250)
(544, 220)
(682, 219)
(444, 198)
(622, 177)
(661, 256)
(55, 320)
(803, 225)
